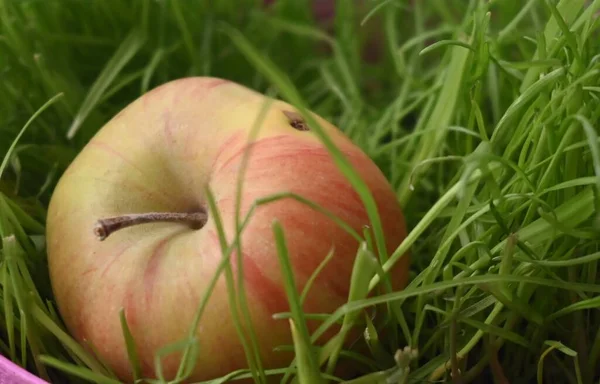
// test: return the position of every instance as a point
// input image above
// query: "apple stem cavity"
(105, 227)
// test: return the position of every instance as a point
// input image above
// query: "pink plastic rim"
(12, 373)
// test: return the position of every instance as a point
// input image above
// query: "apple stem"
(105, 227)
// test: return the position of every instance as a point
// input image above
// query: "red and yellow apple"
(160, 154)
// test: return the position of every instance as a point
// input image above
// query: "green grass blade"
(307, 365)
(77, 371)
(128, 48)
(131, 348)
(568, 9)
(8, 154)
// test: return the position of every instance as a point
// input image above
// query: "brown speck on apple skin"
(296, 121)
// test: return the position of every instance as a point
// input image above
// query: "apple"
(141, 183)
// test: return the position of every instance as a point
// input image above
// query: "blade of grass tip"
(288, 90)
(78, 371)
(27, 280)
(316, 207)
(479, 264)
(579, 182)
(557, 156)
(309, 363)
(515, 304)
(510, 235)
(441, 115)
(214, 211)
(567, 262)
(303, 357)
(130, 346)
(473, 309)
(479, 119)
(525, 97)
(587, 18)
(45, 321)
(420, 38)
(569, 10)
(558, 227)
(439, 371)
(127, 49)
(150, 69)
(564, 28)
(508, 28)
(445, 43)
(8, 154)
(122, 83)
(375, 345)
(411, 136)
(578, 306)
(434, 268)
(254, 132)
(189, 344)
(95, 354)
(541, 41)
(50, 177)
(376, 9)
(315, 274)
(24, 219)
(425, 163)
(572, 212)
(198, 315)
(17, 229)
(423, 224)
(552, 345)
(365, 267)
(535, 63)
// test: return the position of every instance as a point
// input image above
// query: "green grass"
(483, 116)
